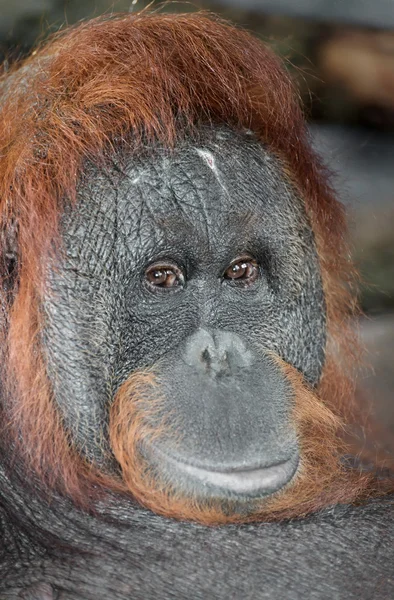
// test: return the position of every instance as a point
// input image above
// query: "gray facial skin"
(212, 200)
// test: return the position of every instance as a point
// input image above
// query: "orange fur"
(321, 478)
(135, 79)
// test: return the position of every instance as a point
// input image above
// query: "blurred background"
(341, 56)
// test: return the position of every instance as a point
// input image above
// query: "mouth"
(242, 480)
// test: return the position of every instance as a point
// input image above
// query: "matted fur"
(140, 79)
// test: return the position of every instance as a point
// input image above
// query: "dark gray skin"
(212, 335)
(208, 336)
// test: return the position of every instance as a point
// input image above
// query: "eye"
(164, 277)
(243, 270)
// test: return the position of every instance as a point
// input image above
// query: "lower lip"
(255, 481)
(264, 479)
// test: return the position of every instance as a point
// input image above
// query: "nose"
(217, 352)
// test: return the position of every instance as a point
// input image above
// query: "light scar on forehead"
(209, 159)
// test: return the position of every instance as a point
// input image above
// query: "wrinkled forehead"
(221, 183)
(220, 174)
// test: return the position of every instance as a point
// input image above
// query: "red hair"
(140, 78)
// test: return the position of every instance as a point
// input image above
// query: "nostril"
(214, 360)
(206, 357)
(220, 351)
